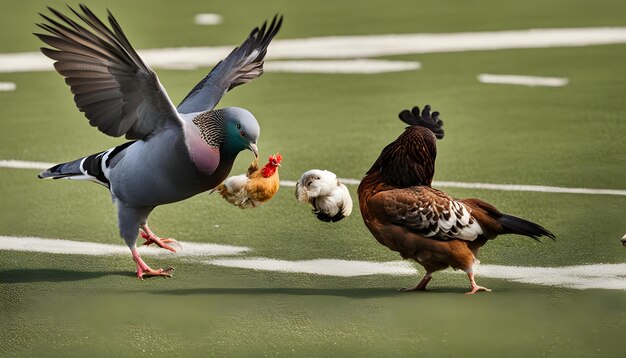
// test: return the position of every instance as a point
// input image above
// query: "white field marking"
(362, 66)
(603, 276)
(7, 86)
(336, 47)
(606, 276)
(531, 81)
(325, 267)
(20, 164)
(531, 188)
(503, 187)
(207, 19)
(56, 246)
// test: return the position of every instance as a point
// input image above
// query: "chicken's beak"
(254, 149)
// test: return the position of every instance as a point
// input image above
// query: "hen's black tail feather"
(515, 225)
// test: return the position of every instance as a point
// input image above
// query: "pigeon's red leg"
(145, 270)
(151, 238)
(421, 286)
(475, 287)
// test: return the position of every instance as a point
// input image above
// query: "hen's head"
(275, 159)
(425, 119)
(273, 162)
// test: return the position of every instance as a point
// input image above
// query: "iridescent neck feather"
(212, 125)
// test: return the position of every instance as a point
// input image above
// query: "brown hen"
(405, 214)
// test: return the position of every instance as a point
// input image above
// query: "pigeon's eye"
(242, 133)
(238, 126)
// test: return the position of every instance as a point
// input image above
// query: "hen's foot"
(421, 286)
(476, 289)
(411, 289)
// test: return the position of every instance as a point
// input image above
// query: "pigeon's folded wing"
(111, 84)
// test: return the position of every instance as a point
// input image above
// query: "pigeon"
(329, 197)
(174, 152)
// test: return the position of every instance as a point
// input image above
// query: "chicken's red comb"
(276, 158)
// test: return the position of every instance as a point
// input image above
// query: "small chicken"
(255, 187)
(330, 198)
(624, 240)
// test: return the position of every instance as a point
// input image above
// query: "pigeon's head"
(242, 130)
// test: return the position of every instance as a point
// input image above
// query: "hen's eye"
(238, 126)
(242, 134)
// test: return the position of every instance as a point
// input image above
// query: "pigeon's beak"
(254, 149)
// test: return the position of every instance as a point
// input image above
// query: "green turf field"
(573, 136)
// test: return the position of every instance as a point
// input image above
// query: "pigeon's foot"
(151, 238)
(144, 270)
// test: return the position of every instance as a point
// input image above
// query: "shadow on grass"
(52, 275)
(360, 292)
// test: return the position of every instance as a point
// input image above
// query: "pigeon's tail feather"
(87, 168)
(94, 167)
(63, 170)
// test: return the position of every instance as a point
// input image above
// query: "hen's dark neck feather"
(409, 160)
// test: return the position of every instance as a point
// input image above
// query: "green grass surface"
(62, 305)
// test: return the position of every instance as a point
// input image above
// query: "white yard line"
(21, 164)
(207, 19)
(7, 86)
(338, 47)
(606, 276)
(362, 66)
(325, 267)
(531, 188)
(56, 246)
(603, 276)
(531, 81)
(503, 187)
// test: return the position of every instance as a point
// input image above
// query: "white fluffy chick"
(330, 198)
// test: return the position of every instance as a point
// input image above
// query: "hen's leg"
(421, 286)
(475, 287)
(144, 270)
(151, 238)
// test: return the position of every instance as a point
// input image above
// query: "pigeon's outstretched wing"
(242, 65)
(111, 84)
